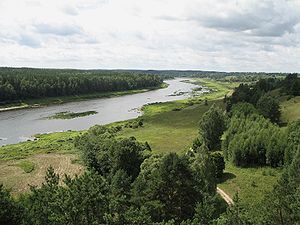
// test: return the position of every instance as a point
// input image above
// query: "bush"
(10, 212)
(269, 108)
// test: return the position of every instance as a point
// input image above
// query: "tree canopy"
(27, 83)
(211, 127)
(254, 140)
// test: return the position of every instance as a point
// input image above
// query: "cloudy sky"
(225, 35)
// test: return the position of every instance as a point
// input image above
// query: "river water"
(20, 125)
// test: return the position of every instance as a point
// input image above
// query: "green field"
(250, 184)
(170, 131)
(61, 142)
(218, 89)
(167, 127)
(27, 166)
(291, 109)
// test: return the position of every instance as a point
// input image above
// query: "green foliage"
(282, 205)
(211, 127)
(269, 108)
(120, 188)
(204, 170)
(254, 140)
(293, 140)
(252, 93)
(261, 94)
(82, 200)
(209, 209)
(27, 166)
(219, 163)
(197, 142)
(243, 109)
(134, 123)
(106, 154)
(59, 142)
(169, 187)
(27, 83)
(279, 206)
(241, 94)
(71, 115)
(10, 211)
(291, 85)
(237, 214)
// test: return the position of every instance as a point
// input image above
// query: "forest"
(125, 182)
(27, 83)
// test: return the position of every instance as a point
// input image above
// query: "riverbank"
(35, 103)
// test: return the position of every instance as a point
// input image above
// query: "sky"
(220, 35)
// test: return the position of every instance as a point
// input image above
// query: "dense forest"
(126, 183)
(27, 83)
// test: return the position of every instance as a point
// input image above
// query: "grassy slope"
(249, 183)
(291, 109)
(170, 131)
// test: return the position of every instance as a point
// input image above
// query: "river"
(20, 125)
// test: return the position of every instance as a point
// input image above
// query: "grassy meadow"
(251, 184)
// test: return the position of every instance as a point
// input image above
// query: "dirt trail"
(225, 196)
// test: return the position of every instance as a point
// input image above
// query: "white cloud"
(243, 35)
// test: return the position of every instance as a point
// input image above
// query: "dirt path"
(225, 196)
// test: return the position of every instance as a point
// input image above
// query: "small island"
(71, 115)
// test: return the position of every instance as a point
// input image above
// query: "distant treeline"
(235, 76)
(290, 85)
(28, 83)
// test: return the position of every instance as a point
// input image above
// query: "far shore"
(36, 103)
